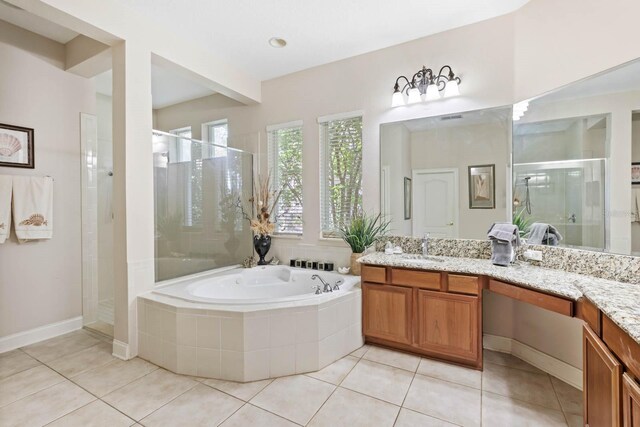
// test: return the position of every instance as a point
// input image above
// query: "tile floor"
(73, 380)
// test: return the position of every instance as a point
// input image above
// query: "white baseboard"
(549, 364)
(32, 336)
(121, 350)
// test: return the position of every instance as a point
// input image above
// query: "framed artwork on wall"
(635, 173)
(16, 147)
(407, 198)
(482, 187)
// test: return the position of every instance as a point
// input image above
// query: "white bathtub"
(250, 324)
(259, 285)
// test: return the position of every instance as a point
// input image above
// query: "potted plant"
(360, 233)
(522, 222)
(263, 203)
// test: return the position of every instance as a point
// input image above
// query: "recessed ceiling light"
(277, 42)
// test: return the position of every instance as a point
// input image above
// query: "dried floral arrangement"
(263, 203)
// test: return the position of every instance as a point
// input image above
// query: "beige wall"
(40, 282)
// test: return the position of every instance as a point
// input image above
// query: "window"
(215, 132)
(340, 170)
(188, 154)
(285, 165)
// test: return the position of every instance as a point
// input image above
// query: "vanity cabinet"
(601, 382)
(447, 324)
(387, 312)
(431, 313)
(630, 402)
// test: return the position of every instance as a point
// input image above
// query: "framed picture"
(635, 173)
(16, 147)
(407, 198)
(482, 187)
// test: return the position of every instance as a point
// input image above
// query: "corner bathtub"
(250, 324)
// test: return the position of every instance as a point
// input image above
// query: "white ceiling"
(317, 32)
(167, 88)
(35, 24)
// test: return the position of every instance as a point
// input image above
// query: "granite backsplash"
(621, 268)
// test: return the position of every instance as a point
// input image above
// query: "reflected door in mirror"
(435, 198)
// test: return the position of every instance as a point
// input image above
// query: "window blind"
(285, 165)
(340, 172)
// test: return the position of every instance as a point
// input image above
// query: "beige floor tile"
(296, 398)
(361, 351)
(243, 391)
(95, 414)
(380, 381)
(77, 363)
(145, 395)
(570, 397)
(45, 406)
(337, 371)
(393, 358)
(113, 375)
(574, 420)
(504, 411)
(508, 360)
(200, 406)
(26, 383)
(409, 418)
(15, 361)
(518, 384)
(348, 408)
(453, 373)
(445, 400)
(250, 415)
(54, 348)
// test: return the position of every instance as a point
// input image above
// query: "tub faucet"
(425, 245)
(327, 286)
(336, 287)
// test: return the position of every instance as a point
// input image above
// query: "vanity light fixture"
(519, 109)
(425, 85)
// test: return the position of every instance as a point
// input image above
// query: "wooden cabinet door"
(386, 312)
(601, 382)
(448, 324)
(630, 402)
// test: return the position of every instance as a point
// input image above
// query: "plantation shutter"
(340, 171)
(285, 165)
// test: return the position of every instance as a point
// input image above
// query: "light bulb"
(397, 99)
(432, 92)
(414, 95)
(451, 89)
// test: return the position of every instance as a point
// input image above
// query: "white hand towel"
(5, 206)
(635, 205)
(33, 207)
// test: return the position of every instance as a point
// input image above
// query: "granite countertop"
(619, 301)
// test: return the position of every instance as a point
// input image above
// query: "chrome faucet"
(425, 245)
(336, 287)
(327, 286)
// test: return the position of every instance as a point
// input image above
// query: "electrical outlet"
(533, 255)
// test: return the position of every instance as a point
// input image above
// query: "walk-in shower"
(560, 175)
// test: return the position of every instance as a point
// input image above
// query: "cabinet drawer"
(622, 345)
(418, 279)
(546, 301)
(590, 314)
(373, 274)
(463, 284)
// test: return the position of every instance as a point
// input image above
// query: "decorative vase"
(262, 244)
(355, 266)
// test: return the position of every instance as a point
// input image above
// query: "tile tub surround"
(621, 268)
(618, 300)
(248, 343)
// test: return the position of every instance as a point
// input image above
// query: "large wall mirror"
(573, 153)
(447, 175)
